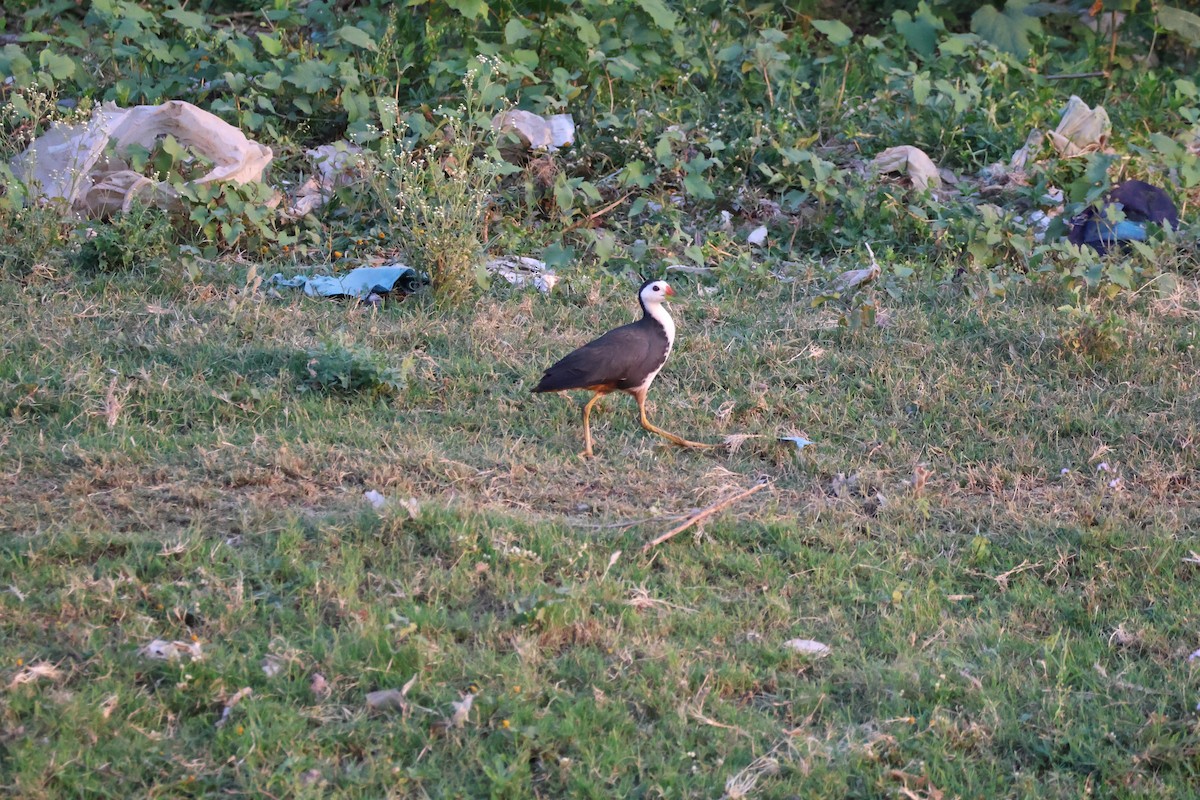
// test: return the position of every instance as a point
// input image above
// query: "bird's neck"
(658, 313)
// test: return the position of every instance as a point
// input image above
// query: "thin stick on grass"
(597, 214)
(705, 513)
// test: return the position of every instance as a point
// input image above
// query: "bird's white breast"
(662, 317)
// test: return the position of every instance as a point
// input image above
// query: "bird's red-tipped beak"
(669, 292)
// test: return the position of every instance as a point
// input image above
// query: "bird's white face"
(657, 292)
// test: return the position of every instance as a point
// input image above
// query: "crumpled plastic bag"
(83, 167)
(357, 283)
(1081, 129)
(334, 166)
(536, 132)
(911, 161)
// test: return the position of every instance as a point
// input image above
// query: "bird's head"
(654, 292)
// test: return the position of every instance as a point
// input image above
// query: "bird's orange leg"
(641, 401)
(587, 428)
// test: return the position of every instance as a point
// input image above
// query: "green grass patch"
(1015, 623)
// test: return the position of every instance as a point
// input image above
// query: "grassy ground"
(992, 534)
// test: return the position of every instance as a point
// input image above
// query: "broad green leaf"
(731, 53)
(59, 66)
(1183, 24)
(357, 105)
(471, 9)
(515, 31)
(357, 37)
(564, 196)
(921, 88)
(919, 31)
(173, 148)
(187, 19)
(252, 120)
(662, 151)
(838, 32)
(271, 45)
(13, 61)
(310, 77)
(696, 186)
(558, 256)
(1008, 30)
(587, 31)
(1166, 145)
(270, 80)
(663, 17)
(959, 44)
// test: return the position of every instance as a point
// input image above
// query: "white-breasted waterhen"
(625, 359)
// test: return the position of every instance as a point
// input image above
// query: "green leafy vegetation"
(268, 545)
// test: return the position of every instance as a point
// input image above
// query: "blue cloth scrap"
(355, 283)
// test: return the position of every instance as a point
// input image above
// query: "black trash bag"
(1142, 204)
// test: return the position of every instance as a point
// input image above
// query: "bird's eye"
(656, 288)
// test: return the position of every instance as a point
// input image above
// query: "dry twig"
(704, 514)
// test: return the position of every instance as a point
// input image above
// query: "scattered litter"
(799, 441)
(690, 269)
(1065, 471)
(376, 500)
(1020, 158)
(809, 647)
(412, 506)
(855, 278)
(1081, 130)
(359, 283)
(335, 165)
(910, 161)
(1139, 202)
(319, 686)
(462, 709)
(389, 699)
(386, 699)
(536, 132)
(758, 236)
(162, 650)
(522, 270)
(1102, 466)
(1195, 655)
(272, 665)
(237, 697)
(84, 167)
